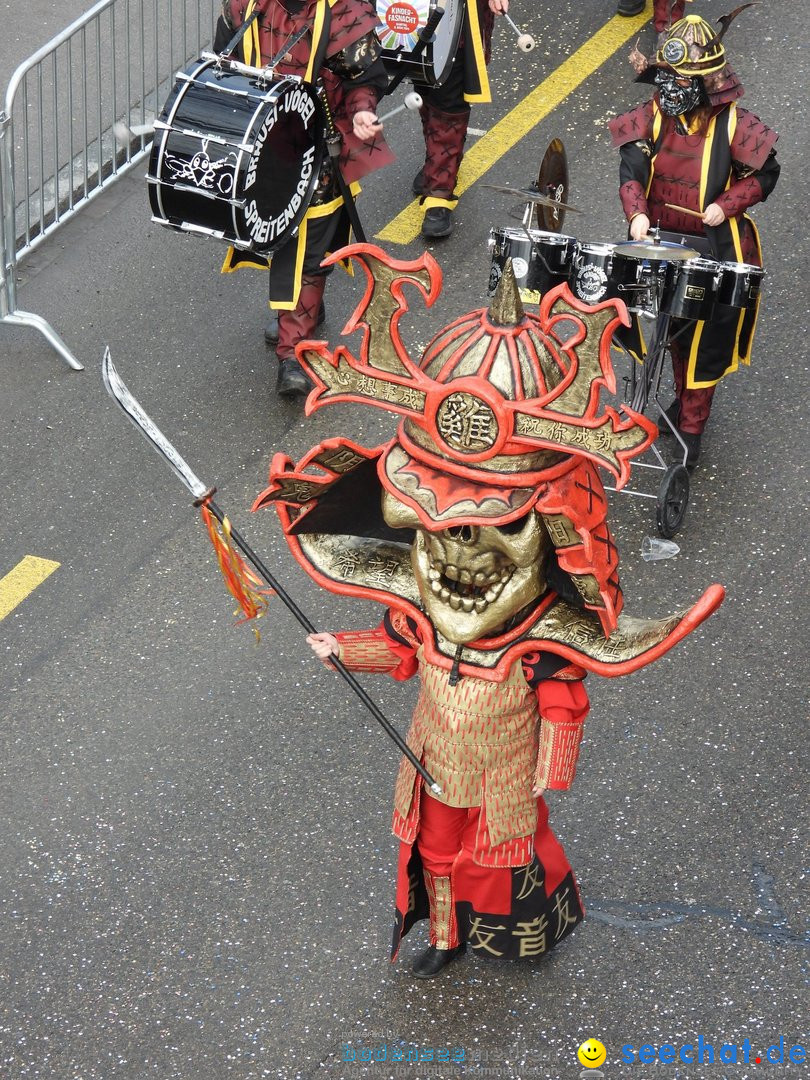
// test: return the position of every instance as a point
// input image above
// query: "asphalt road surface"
(196, 861)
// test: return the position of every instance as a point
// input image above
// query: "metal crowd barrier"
(58, 148)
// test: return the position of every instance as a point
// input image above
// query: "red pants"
(662, 17)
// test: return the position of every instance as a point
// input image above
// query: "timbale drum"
(540, 260)
(398, 31)
(236, 154)
(739, 284)
(690, 289)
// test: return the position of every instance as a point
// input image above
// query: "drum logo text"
(401, 19)
(265, 231)
(298, 102)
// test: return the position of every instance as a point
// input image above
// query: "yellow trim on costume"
(484, 93)
(747, 358)
(656, 131)
(323, 210)
(705, 162)
(250, 42)
(436, 200)
(249, 261)
(317, 30)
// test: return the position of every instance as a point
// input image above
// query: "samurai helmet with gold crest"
(693, 49)
(484, 518)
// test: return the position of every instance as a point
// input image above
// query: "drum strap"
(233, 44)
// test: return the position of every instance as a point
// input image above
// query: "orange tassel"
(245, 587)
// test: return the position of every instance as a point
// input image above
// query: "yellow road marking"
(22, 580)
(407, 225)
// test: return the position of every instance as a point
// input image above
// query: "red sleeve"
(378, 651)
(563, 707)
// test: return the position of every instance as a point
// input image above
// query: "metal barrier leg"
(29, 318)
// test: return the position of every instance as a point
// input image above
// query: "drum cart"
(643, 384)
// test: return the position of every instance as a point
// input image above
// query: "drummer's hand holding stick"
(639, 227)
(368, 122)
(366, 125)
(712, 216)
(525, 42)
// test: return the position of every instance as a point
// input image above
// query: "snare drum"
(690, 289)
(236, 154)
(400, 23)
(739, 284)
(540, 260)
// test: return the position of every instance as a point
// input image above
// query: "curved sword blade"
(116, 388)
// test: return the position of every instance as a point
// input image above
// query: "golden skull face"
(473, 578)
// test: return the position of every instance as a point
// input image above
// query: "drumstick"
(124, 133)
(684, 210)
(412, 102)
(525, 41)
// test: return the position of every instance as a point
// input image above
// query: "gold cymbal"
(656, 249)
(530, 195)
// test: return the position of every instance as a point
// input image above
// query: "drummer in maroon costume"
(342, 51)
(445, 116)
(692, 147)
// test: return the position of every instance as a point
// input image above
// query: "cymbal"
(652, 249)
(553, 181)
(530, 195)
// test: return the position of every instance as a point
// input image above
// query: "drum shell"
(590, 276)
(398, 38)
(690, 289)
(540, 260)
(636, 281)
(739, 284)
(236, 156)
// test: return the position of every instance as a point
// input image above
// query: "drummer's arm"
(360, 68)
(634, 175)
(749, 187)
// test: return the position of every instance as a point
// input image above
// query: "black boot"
(692, 443)
(292, 382)
(271, 329)
(433, 960)
(418, 185)
(630, 7)
(673, 413)
(438, 222)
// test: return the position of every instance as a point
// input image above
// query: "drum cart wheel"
(673, 498)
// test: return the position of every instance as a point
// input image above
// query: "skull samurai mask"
(484, 519)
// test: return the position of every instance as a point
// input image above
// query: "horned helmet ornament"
(691, 49)
(484, 518)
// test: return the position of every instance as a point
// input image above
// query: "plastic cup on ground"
(654, 548)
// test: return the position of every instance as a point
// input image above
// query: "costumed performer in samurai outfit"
(692, 147)
(482, 528)
(343, 52)
(445, 114)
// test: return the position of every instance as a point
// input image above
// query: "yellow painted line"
(407, 225)
(22, 580)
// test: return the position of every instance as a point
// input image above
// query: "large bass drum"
(400, 23)
(236, 155)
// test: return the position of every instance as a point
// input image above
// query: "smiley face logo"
(592, 1054)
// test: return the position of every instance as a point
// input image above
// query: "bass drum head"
(399, 24)
(235, 158)
(283, 169)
